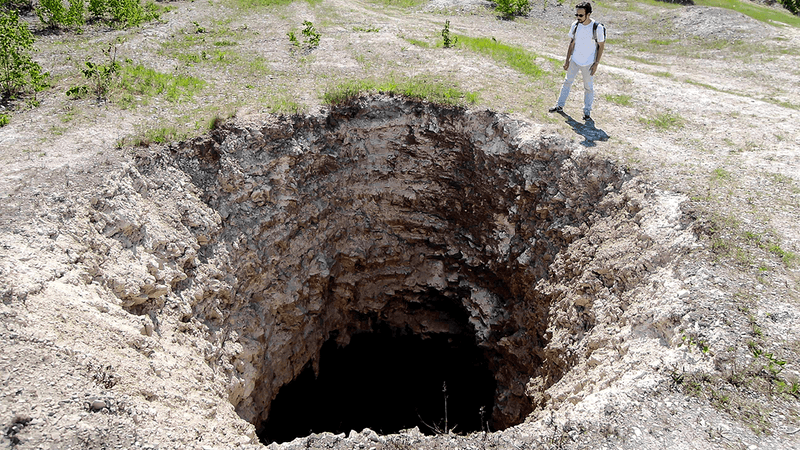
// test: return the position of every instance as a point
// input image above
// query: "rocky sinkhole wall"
(392, 221)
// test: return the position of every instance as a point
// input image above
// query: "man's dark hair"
(586, 6)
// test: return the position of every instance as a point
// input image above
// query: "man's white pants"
(588, 86)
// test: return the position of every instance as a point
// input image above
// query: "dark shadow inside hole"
(386, 382)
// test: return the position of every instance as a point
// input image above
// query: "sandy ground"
(726, 88)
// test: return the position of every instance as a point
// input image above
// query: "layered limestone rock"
(400, 214)
(205, 276)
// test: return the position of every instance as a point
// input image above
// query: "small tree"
(18, 72)
(449, 41)
(311, 34)
(311, 39)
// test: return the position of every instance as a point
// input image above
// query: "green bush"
(792, 5)
(76, 14)
(52, 13)
(311, 40)
(98, 8)
(20, 6)
(311, 34)
(510, 8)
(18, 72)
(4, 119)
(123, 13)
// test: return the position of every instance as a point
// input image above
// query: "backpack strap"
(594, 30)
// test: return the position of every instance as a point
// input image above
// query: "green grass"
(162, 135)
(740, 389)
(419, 43)
(661, 41)
(779, 178)
(664, 121)
(657, 3)
(203, 121)
(422, 88)
(720, 174)
(157, 135)
(256, 4)
(757, 12)
(189, 58)
(140, 80)
(641, 60)
(200, 43)
(368, 29)
(708, 86)
(765, 98)
(768, 241)
(515, 57)
(619, 99)
(788, 258)
(258, 66)
(184, 41)
(212, 57)
(399, 3)
(283, 103)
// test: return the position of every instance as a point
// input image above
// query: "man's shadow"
(590, 133)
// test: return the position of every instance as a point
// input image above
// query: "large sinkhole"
(387, 381)
(367, 256)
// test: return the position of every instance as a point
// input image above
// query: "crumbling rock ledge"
(392, 212)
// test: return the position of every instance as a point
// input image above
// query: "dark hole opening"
(387, 382)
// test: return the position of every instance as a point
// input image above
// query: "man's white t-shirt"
(585, 47)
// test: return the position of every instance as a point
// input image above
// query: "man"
(583, 55)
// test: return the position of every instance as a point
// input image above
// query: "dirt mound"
(718, 24)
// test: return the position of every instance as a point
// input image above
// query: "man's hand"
(566, 65)
(600, 47)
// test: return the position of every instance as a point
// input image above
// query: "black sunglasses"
(579, 15)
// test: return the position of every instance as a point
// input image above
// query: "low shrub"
(123, 13)
(18, 72)
(53, 13)
(792, 5)
(99, 75)
(511, 8)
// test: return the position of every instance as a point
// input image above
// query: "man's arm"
(569, 53)
(600, 46)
